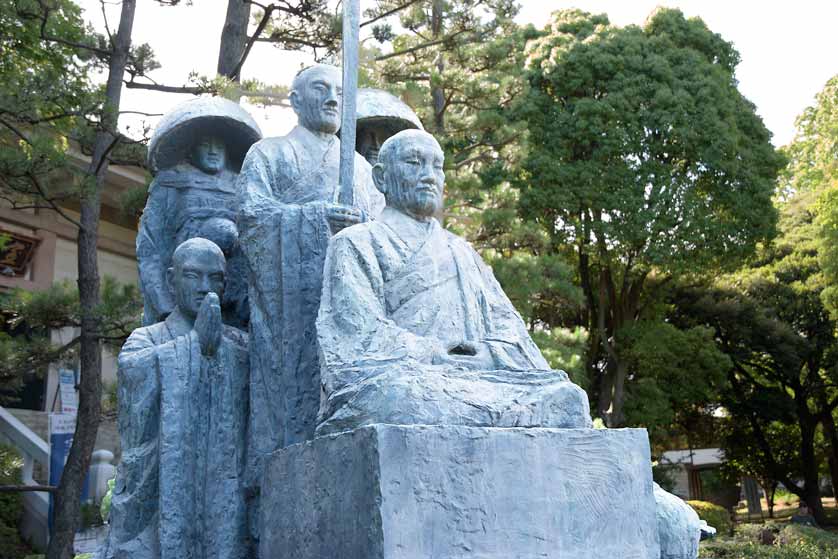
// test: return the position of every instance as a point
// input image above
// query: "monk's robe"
(179, 491)
(183, 202)
(396, 293)
(283, 186)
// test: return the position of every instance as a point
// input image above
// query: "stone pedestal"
(411, 492)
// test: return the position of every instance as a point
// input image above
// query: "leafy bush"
(11, 505)
(794, 534)
(716, 516)
(105, 507)
(785, 498)
(793, 542)
(731, 550)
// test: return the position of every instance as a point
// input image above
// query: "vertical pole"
(351, 32)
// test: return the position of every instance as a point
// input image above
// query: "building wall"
(55, 259)
(120, 267)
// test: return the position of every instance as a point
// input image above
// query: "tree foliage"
(677, 377)
(643, 157)
(770, 321)
(33, 315)
(813, 168)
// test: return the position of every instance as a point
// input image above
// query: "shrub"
(11, 505)
(796, 534)
(793, 542)
(730, 550)
(716, 516)
(785, 498)
(105, 507)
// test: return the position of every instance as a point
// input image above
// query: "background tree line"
(627, 195)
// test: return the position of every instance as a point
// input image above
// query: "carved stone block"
(398, 492)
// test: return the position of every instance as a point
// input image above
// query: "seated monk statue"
(183, 421)
(415, 329)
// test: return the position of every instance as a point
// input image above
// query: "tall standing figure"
(195, 153)
(288, 211)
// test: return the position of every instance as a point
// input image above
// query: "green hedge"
(716, 516)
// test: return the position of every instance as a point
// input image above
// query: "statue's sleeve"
(167, 429)
(353, 329)
(255, 185)
(133, 522)
(152, 246)
(508, 338)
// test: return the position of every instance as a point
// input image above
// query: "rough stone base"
(411, 492)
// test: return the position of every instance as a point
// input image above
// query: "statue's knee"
(573, 406)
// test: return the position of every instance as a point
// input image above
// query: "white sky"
(788, 49)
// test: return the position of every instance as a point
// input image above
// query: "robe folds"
(284, 186)
(182, 201)
(396, 293)
(179, 491)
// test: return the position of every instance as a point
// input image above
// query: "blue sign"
(62, 426)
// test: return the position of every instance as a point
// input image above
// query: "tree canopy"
(644, 157)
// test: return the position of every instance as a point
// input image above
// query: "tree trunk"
(437, 93)
(811, 480)
(831, 437)
(617, 417)
(233, 39)
(770, 488)
(68, 496)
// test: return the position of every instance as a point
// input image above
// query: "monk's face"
(369, 142)
(210, 155)
(193, 276)
(414, 176)
(317, 99)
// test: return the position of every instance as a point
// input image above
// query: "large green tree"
(646, 160)
(782, 389)
(813, 168)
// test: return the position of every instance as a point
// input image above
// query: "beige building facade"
(54, 259)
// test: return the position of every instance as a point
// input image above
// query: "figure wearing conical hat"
(380, 115)
(196, 153)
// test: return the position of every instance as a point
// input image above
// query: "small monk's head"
(409, 173)
(317, 96)
(198, 268)
(209, 154)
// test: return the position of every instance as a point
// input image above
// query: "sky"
(788, 50)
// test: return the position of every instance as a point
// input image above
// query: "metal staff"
(351, 32)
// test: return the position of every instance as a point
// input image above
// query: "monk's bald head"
(409, 173)
(316, 96)
(195, 247)
(198, 268)
(394, 144)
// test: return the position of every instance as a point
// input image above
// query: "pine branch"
(193, 90)
(388, 13)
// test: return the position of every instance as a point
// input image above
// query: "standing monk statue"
(195, 153)
(182, 385)
(288, 211)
